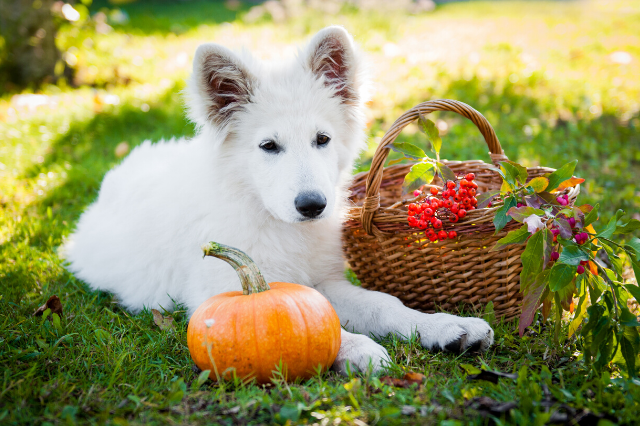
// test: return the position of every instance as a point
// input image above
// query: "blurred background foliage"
(557, 79)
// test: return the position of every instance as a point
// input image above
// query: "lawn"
(557, 80)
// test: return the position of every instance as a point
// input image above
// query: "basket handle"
(372, 200)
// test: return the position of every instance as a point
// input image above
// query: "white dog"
(266, 173)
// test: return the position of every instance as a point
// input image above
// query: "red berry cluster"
(451, 204)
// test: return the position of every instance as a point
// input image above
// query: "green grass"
(539, 71)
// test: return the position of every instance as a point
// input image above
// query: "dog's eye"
(322, 139)
(269, 146)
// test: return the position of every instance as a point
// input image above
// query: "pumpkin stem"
(250, 276)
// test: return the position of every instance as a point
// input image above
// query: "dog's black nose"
(310, 204)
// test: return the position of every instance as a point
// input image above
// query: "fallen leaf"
(53, 303)
(415, 377)
(163, 323)
(406, 381)
(491, 376)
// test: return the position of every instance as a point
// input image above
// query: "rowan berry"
(412, 207)
(453, 218)
(422, 224)
(432, 237)
(471, 208)
(411, 212)
(434, 190)
(580, 269)
(555, 256)
(470, 176)
(442, 235)
(466, 202)
(457, 198)
(454, 209)
(462, 213)
(448, 203)
(417, 193)
(464, 183)
(452, 234)
(451, 184)
(473, 185)
(445, 194)
(474, 201)
(463, 193)
(437, 224)
(471, 192)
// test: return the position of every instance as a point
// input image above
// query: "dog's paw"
(455, 334)
(361, 354)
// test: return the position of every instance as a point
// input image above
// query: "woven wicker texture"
(388, 255)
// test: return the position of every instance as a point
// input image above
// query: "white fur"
(141, 238)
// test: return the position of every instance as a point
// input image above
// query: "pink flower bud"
(561, 201)
(580, 269)
(555, 232)
(520, 205)
(572, 222)
(416, 193)
(555, 256)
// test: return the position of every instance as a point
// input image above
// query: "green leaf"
(517, 236)
(432, 133)
(446, 173)
(202, 378)
(518, 171)
(561, 276)
(519, 214)
(485, 198)
(563, 173)
(532, 259)
(634, 290)
(579, 315)
(633, 247)
(627, 318)
(572, 255)
(470, 369)
(408, 150)
(592, 216)
(629, 343)
(611, 226)
(628, 227)
(539, 183)
(501, 219)
(419, 174)
(507, 176)
(532, 297)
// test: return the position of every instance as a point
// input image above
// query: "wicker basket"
(388, 255)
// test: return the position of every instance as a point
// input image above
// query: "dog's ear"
(220, 85)
(332, 57)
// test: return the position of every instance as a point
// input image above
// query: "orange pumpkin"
(262, 327)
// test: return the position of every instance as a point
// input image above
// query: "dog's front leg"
(378, 314)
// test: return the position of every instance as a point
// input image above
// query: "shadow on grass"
(163, 17)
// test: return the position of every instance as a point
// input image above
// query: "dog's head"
(289, 132)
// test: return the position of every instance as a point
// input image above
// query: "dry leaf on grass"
(163, 323)
(406, 381)
(53, 303)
